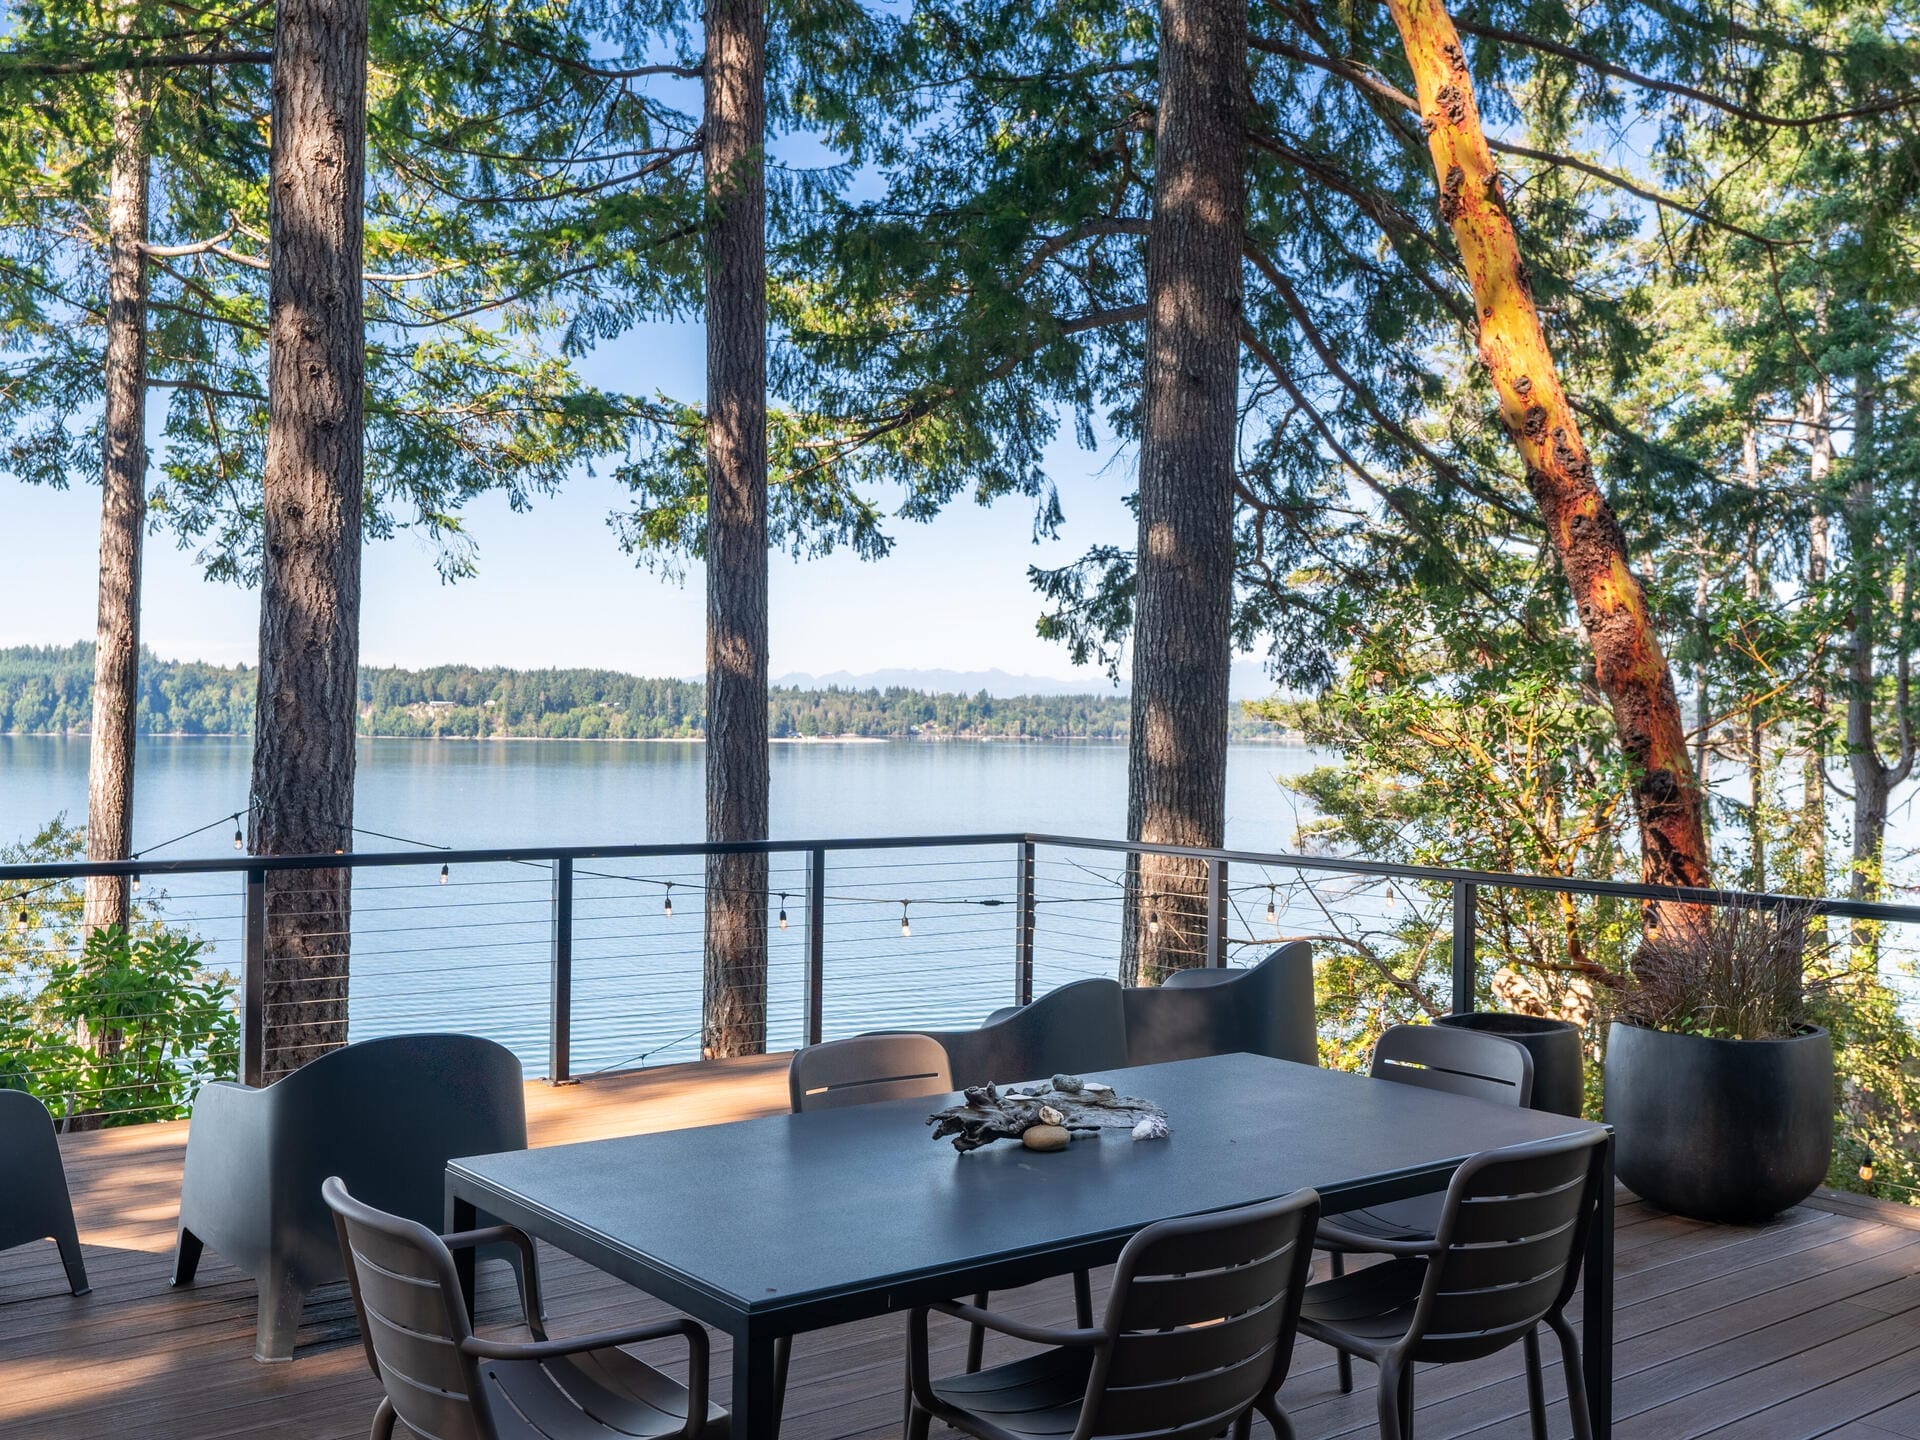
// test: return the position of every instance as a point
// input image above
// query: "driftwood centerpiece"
(1081, 1107)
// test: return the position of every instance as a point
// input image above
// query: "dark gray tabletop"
(760, 1215)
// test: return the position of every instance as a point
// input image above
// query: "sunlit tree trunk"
(307, 706)
(1874, 585)
(123, 508)
(1182, 653)
(1756, 738)
(1629, 666)
(737, 782)
(1813, 774)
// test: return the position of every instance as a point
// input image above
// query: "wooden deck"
(1806, 1327)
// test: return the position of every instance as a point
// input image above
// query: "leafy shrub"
(1734, 972)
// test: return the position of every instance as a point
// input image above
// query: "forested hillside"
(48, 690)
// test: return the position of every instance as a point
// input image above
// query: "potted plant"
(1719, 1089)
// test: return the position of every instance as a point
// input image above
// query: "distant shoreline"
(81, 734)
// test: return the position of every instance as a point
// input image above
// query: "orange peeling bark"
(1629, 666)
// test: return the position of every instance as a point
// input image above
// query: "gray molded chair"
(1264, 1009)
(34, 1204)
(1077, 1029)
(385, 1114)
(1197, 1335)
(444, 1381)
(1504, 1260)
(1433, 1057)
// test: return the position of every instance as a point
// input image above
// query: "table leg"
(462, 1216)
(1597, 1316)
(756, 1415)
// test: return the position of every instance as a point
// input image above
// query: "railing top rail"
(523, 854)
(1329, 864)
(1498, 879)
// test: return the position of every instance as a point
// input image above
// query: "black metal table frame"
(754, 1328)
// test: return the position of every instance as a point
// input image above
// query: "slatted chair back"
(1200, 1322)
(1510, 1240)
(867, 1068)
(406, 1293)
(1460, 1062)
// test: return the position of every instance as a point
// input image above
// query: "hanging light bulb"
(443, 874)
(1393, 900)
(1272, 914)
(22, 920)
(1153, 922)
(239, 836)
(136, 881)
(905, 928)
(1866, 1168)
(783, 910)
(667, 909)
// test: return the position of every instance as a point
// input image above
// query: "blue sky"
(554, 588)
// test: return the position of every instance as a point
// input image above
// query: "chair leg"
(1388, 1401)
(977, 1337)
(919, 1421)
(782, 1354)
(281, 1301)
(1406, 1402)
(1342, 1362)
(1083, 1299)
(1536, 1388)
(1271, 1412)
(68, 1239)
(383, 1419)
(186, 1256)
(1576, 1378)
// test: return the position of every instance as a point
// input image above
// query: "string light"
(1866, 1168)
(136, 881)
(443, 874)
(783, 909)
(21, 921)
(1272, 914)
(1392, 900)
(239, 838)
(905, 928)
(1153, 922)
(667, 908)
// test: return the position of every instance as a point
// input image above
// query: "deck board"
(1806, 1327)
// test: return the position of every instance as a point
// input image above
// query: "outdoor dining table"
(790, 1223)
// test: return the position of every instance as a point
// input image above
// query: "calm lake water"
(472, 953)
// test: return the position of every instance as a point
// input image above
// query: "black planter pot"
(1554, 1045)
(1726, 1130)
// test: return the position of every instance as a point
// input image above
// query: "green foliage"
(120, 1028)
(48, 690)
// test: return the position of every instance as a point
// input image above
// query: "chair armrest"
(695, 1335)
(1019, 1330)
(1328, 1235)
(529, 1262)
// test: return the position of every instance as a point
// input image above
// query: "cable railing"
(589, 959)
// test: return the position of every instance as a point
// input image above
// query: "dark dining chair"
(1433, 1057)
(1197, 1336)
(864, 1070)
(34, 1204)
(1504, 1259)
(445, 1381)
(1263, 1009)
(1078, 1029)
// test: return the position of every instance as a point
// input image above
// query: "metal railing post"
(253, 982)
(1466, 916)
(816, 943)
(1216, 912)
(1023, 930)
(560, 988)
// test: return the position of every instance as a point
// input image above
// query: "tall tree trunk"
(734, 127)
(123, 508)
(1702, 670)
(1629, 665)
(1813, 774)
(303, 749)
(1756, 738)
(1183, 605)
(1874, 778)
